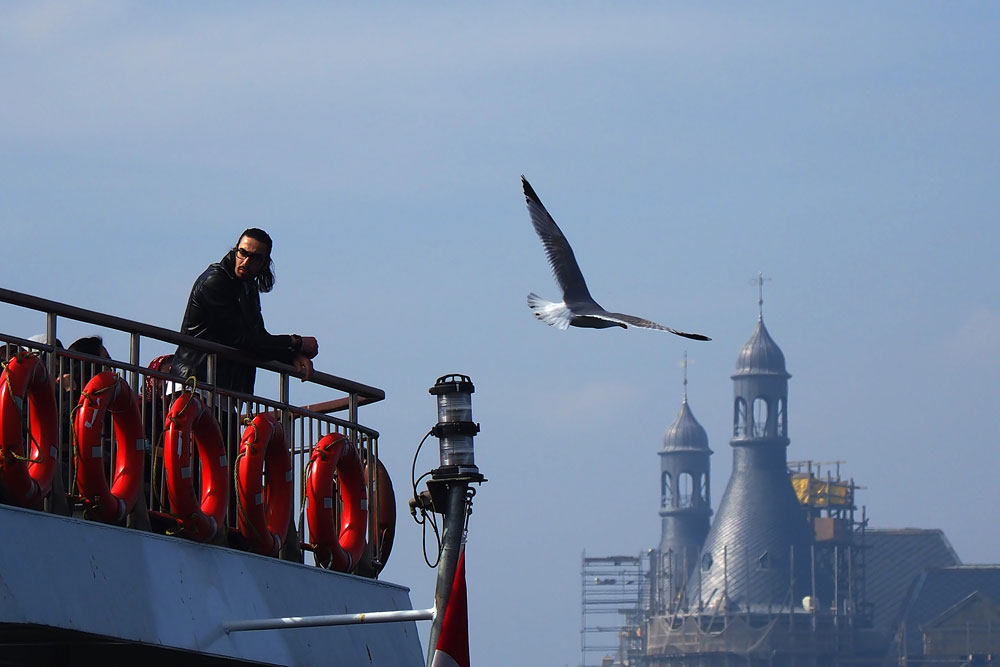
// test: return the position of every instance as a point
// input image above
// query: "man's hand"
(303, 365)
(310, 347)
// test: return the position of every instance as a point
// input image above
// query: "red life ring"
(107, 392)
(334, 453)
(188, 417)
(26, 480)
(264, 510)
(385, 524)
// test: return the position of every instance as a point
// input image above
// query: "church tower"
(758, 550)
(685, 499)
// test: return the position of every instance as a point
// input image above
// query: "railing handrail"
(317, 410)
(368, 393)
(302, 424)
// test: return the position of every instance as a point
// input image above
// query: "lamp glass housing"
(454, 407)
(457, 450)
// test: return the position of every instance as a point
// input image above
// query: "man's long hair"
(265, 279)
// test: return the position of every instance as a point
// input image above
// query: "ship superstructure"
(150, 587)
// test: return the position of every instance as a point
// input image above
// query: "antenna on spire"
(759, 281)
(684, 365)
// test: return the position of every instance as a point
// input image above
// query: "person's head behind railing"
(81, 371)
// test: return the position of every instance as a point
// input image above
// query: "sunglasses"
(250, 256)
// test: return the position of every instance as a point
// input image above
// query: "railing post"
(133, 358)
(290, 549)
(139, 518)
(374, 504)
(352, 408)
(211, 373)
(56, 502)
(50, 338)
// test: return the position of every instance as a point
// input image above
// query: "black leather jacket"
(224, 309)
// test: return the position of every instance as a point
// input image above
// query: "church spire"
(759, 543)
(685, 497)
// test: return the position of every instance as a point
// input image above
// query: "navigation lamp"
(455, 429)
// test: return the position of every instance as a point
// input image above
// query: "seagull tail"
(554, 314)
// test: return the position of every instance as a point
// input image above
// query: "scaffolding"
(615, 592)
(839, 535)
(832, 626)
(628, 620)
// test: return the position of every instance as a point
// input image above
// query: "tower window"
(665, 490)
(782, 418)
(706, 562)
(760, 417)
(740, 419)
(685, 488)
(704, 490)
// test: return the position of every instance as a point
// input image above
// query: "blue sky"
(848, 152)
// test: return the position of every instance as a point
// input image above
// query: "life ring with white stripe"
(107, 392)
(335, 551)
(190, 419)
(264, 485)
(27, 478)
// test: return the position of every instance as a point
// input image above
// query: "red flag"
(453, 643)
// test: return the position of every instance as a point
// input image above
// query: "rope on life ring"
(264, 508)
(26, 478)
(107, 392)
(336, 552)
(385, 524)
(189, 418)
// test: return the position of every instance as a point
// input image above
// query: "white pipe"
(334, 619)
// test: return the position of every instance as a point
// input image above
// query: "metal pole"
(836, 583)
(56, 501)
(333, 619)
(211, 370)
(812, 562)
(451, 546)
(791, 586)
(290, 549)
(50, 338)
(374, 506)
(449, 485)
(133, 356)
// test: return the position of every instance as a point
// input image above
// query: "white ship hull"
(72, 591)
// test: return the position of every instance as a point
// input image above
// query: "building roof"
(939, 589)
(894, 559)
(969, 602)
(685, 433)
(761, 355)
(748, 551)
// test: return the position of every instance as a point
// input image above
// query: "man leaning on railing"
(224, 307)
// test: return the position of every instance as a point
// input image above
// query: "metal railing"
(304, 425)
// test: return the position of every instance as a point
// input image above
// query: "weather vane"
(759, 281)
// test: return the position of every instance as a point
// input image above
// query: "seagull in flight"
(578, 308)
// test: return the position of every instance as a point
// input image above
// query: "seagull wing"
(561, 258)
(634, 321)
